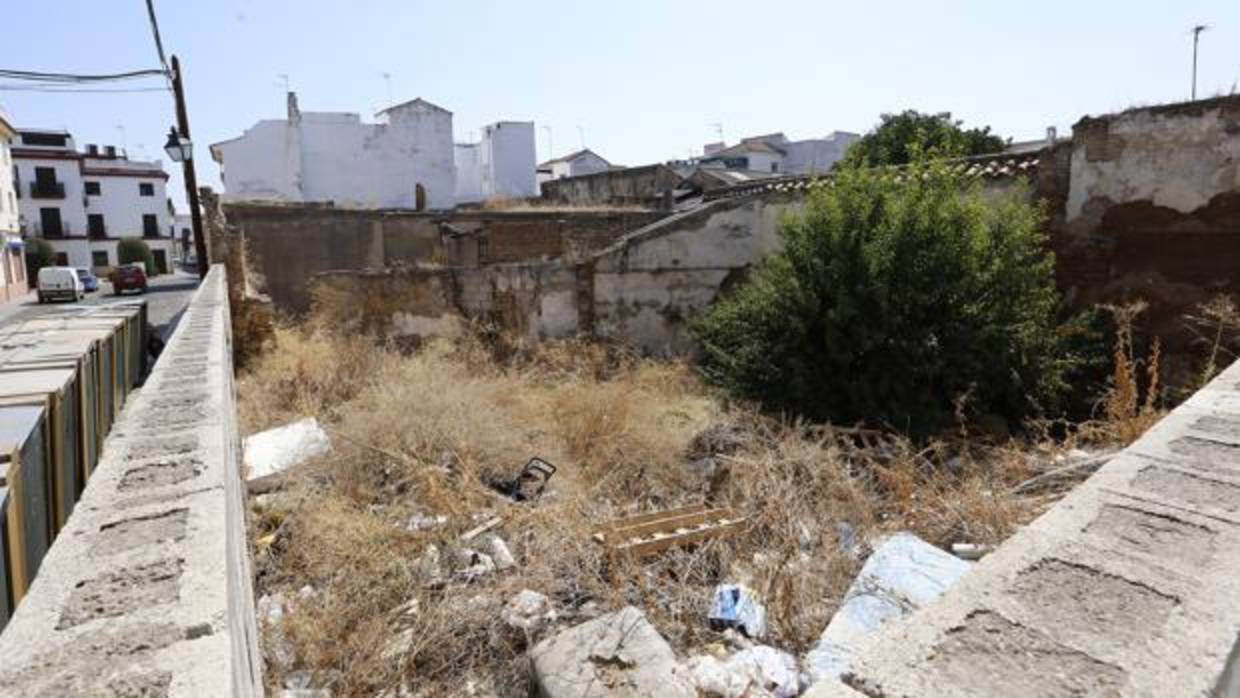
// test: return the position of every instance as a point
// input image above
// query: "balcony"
(48, 232)
(47, 190)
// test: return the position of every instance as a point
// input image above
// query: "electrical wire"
(159, 44)
(73, 78)
(56, 88)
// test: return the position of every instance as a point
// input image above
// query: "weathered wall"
(1152, 208)
(147, 591)
(290, 243)
(631, 185)
(1127, 587)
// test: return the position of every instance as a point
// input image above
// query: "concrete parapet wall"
(147, 591)
(1128, 586)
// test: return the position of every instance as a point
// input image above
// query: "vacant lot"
(359, 554)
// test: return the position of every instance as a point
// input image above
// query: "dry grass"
(426, 433)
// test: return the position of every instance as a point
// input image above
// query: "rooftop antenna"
(387, 79)
(581, 133)
(284, 79)
(1196, 33)
(550, 147)
(124, 140)
(719, 130)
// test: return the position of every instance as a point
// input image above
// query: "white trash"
(528, 610)
(737, 606)
(757, 672)
(272, 451)
(904, 574)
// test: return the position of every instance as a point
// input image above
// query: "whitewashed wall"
(468, 172)
(509, 160)
(263, 163)
(72, 213)
(8, 197)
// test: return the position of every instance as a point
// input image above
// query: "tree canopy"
(899, 137)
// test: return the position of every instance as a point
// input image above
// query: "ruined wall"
(288, 244)
(632, 185)
(1153, 209)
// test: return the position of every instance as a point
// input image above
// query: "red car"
(128, 278)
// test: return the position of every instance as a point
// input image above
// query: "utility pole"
(1196, 33)
(187, 171)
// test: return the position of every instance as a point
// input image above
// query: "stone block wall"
(147, 591)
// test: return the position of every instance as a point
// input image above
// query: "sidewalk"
(15, 306)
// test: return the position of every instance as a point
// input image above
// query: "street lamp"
(178, 147)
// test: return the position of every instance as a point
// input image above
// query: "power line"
(159, 45)
(76, 90)
(37, 76)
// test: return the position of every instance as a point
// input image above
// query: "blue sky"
(645, 80)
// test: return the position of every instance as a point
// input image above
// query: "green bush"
(899, 298)
(130, 250)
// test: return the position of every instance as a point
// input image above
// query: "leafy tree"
(897, 137)
(895, 296)
(39, 254)
(130, 250)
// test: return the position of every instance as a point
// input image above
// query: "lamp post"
(181, 149)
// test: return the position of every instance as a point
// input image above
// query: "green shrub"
(900, 298)
(130, 250)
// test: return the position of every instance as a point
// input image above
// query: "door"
(161, 261)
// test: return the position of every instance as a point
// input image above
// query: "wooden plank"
(654, 516)
(669, 524)
(649, 547)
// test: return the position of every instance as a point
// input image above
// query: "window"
(774, 167)
(150, 225)
(99, 258)
(49, 223)
(92, 188)
(94, 225)
(52, 139)
(146, 189)
(45, 175)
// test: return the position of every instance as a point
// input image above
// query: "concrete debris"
(271, 610)
(499, 552)
(904, 574)
(305, 693)
(471, 564)
(737, 606)
(430, 565)
(529, 611)
(758, 672)
(619, 654)
(275, 450)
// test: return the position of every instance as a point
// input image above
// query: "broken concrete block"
(275, 450)
(619, 654)
(528, 610)
(500, 553)
(904, 574)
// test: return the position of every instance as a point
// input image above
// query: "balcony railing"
(50, 232)
(47, 190)
(97, 232)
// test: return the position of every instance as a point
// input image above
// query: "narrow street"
(166, 298)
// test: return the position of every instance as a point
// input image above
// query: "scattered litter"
(904, 574)
(529, 484)
(499, 552)
(275, 450)
(271, 610)
(471, 564)
(646, 534)
(481, 529)
(758, 672)
(528, 610)
(846, 538)
(422, 522)
(971, 551)
(737, 606)
(430, 565)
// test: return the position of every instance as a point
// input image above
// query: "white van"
(60, 282)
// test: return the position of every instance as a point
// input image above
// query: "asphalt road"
(166, 297)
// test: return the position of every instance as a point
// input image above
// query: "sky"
(637, 81)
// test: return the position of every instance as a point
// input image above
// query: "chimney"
(92, 149)
(1050, 136)
(294, 114)
(109, 150)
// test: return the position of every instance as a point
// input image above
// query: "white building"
(183, 234)
(774, 153)
(501, 165)
(581, 162)
(404, 160)
(84, 203)
(13, 282)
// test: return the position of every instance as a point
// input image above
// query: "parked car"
(128, 277)
(60, 283)
(90, 282)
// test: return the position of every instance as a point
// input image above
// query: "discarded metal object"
(532, 480)
(646, 534)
